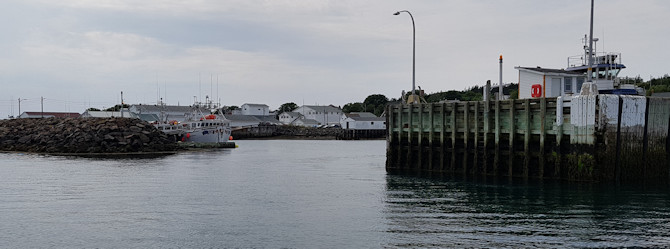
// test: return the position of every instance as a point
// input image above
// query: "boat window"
(580, 82)
(567, 84)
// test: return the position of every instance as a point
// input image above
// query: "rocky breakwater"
(82, 135)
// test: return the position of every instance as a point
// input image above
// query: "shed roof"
(54, 114)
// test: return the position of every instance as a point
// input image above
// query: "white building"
(169, 112)
(322, 114)
(362, 121)
(108, 114)
(255, 109)
(288, 117)
(544, 82)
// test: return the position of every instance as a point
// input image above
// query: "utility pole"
(20, 106)
(42, 104)
(122, 104)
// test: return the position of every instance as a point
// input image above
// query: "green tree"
(93, 109)
(375, 103)
(376, 100)
(116, 108)
(287, 107)
(353, 107)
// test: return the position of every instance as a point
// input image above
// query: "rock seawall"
(82, 135)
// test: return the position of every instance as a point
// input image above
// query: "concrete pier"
(587, 138)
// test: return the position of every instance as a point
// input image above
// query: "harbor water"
(306, 194)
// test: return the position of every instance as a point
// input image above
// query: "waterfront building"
(362, 121)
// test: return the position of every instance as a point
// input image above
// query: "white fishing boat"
(197, 127)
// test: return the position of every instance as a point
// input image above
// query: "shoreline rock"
(82, 135)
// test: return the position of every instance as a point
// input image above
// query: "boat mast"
(589, 73)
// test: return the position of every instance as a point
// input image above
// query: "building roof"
(368, 118)
(148, 117)
(243, 118)
(307, 121)
(52, 114)
(259, 105)
(547, 70)
(360, 114)
(166, 108)
(108, 114)
(323, 108)
(267, 119)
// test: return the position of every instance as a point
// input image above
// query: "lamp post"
(414, 98)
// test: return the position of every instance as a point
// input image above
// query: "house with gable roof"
(362, 121)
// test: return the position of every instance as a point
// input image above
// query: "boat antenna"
(589, 76)
(199, 87)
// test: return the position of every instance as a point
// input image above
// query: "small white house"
(540, 82)
(322, 114)
(255, 109)
(362, 121)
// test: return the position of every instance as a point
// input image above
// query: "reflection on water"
(305, 194)
(453, 213)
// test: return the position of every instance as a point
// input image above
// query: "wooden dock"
(589, 138)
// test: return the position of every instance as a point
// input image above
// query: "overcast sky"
(83, 53)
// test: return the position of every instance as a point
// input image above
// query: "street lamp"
(414, 98)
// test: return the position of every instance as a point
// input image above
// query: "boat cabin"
(537, 82)
(544, 82)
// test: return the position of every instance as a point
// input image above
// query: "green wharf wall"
(596, 138)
